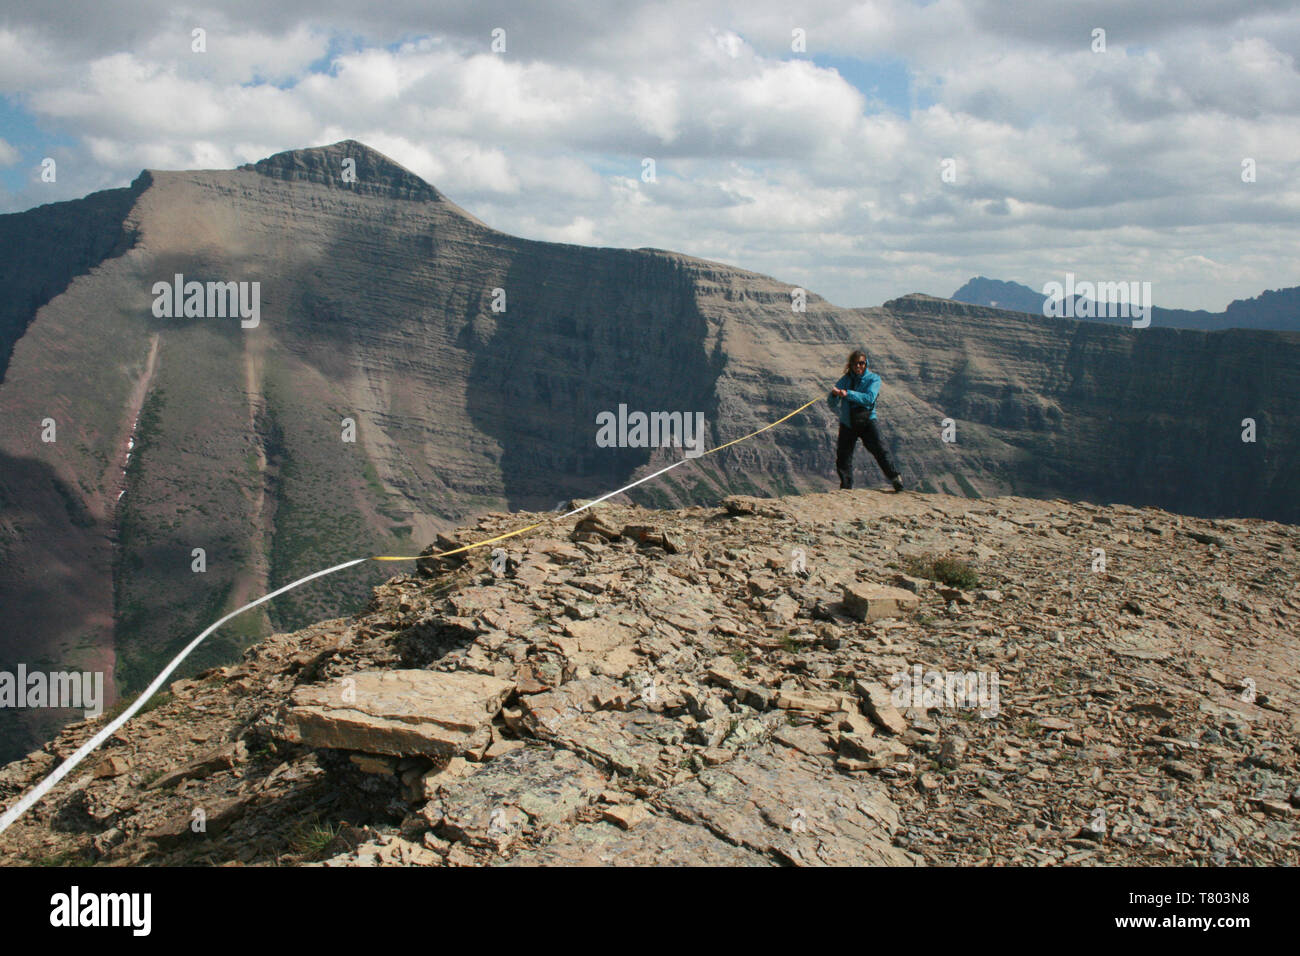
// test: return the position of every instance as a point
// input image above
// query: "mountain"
(791, 681)
(997, 294)
(201, 462)
(1276, 310)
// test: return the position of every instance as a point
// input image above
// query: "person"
(854, 398)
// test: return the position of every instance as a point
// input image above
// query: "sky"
(860, 150)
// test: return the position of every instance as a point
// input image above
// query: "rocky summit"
(845, 678)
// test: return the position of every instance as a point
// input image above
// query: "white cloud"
(1101, 163)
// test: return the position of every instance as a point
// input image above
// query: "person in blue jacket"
(854, 398)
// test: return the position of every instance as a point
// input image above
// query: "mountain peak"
(998, 294)
(376, 174)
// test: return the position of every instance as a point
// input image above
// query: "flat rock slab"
(527, 790)
(205, 765)
(216, 820)
(787, 807)
(870, 602)
(604, 646)
(811, 701)
(879, 704)
(655, 841)
(808, 740)
(514, 619)
(634, 742)
(468, 602)
(400, 712)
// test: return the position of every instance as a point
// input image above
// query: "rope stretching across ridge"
(85, 750)
(589, 504)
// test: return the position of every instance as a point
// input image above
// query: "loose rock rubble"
(759, 683)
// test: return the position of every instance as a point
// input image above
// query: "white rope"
(86, 749)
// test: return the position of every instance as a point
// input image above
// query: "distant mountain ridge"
(1275, 310)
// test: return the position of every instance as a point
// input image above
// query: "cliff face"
(377, 306)
(1062, 408)
(46, 247)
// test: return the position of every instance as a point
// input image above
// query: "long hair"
(853, 357)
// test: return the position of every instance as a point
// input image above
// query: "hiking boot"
(898, 483)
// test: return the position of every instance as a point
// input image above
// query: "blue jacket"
(862, 390)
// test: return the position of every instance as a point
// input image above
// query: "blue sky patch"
(886, 81)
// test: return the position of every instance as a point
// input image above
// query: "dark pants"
(847, 442)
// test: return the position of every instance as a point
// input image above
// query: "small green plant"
(310, 839)
(789, 644)
(150, 776)
(739, 656)
(947, 569)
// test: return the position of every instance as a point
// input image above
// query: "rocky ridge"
(720, 686)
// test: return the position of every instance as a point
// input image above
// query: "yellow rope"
(519, 531)
(443, 554)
